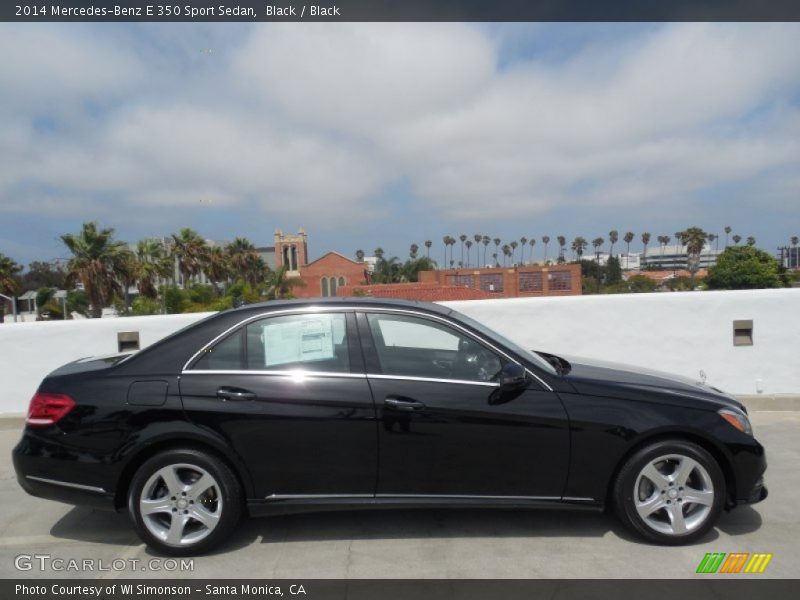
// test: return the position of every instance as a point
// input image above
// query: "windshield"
(513, 346)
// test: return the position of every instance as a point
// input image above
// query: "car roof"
(348, 301)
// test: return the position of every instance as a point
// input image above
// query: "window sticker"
(307, 340)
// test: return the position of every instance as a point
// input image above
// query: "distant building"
(513, 282)
(676, 257)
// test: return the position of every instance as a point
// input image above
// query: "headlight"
(736, 419)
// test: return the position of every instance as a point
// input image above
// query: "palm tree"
(452, 243)
(562, 243)
(8, 280)
(496, 248)
(727, 233)
(751, 241)
(664, 240)
(736, 239)
(532, 243)
(506, 254)
(127, 271)
(694, 239)
(445, 243)
(628, 239)
(188, 248)
(477, 237)
(613, 238)
(463, 239)
(95, 259)
(153, 264)
(469, 247)
(545, 241)
(486, 241)
(597, 242)
(216, 265)
(413, 251)
(645, 241)
(579, 244)
(513, 245)
(428, 244)
(522, 242)
(378, 253)
(245, 263)
(278, 285)
(360, 255)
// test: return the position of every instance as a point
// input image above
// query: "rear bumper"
(59, 477)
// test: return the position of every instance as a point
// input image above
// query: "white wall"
(675, 332)
(29, 351)
(682, 332)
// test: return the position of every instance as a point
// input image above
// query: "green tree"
(613, 271)
(216, 265)
(744, 267)
(43, 274)
(9, 283)
(641, 283)
(95, 259)
(360, 255)
(428, 244)
(727, 233)
(545, 241)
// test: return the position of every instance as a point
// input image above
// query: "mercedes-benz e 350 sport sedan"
(363, 403)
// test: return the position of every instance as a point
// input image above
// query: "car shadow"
(420, 523)
(88, 525)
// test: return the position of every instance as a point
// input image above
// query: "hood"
(596, 377)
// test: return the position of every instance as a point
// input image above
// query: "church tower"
(291, 250)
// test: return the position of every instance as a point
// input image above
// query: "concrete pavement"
(420, 543)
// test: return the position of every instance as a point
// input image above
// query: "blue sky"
(374, 135)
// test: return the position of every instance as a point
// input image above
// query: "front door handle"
(403, 403)
(228, 393)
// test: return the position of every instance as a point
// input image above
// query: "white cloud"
(315, 122)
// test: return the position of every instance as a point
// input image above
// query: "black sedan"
(362, 403)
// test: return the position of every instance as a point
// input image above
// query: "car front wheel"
(184, 501)
(670, 492)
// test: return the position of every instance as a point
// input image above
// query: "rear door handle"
(227, 393)
(402, 403)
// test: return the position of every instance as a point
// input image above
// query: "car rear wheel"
(184, 501)
(670, 492)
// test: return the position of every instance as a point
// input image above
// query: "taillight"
(48, 409)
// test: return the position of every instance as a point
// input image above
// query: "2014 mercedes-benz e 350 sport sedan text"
(363, 403)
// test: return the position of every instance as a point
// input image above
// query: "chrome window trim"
(355, 308)
(293, 373)
(77, 486)
(432, 379)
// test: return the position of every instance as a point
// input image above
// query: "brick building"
(513, 282)
(336, 275)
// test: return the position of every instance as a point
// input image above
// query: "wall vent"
(743, 332)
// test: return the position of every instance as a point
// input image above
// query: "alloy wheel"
(674, 494)
(181, 504)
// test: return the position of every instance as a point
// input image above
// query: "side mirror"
(512, 377)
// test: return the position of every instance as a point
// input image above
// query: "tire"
(670, 492)
(184, 502)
